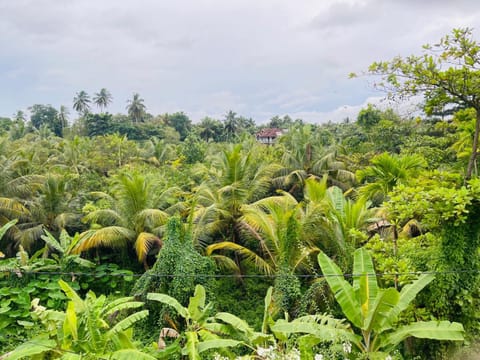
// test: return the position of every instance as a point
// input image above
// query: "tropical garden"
(141, 236)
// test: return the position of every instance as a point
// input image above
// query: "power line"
(20, 273)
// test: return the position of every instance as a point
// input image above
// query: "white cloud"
(206, 57)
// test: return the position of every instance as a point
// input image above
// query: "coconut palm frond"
(148, 219)
(110, 237)
(225, 263)
(28, 235)
(65, 219)
(104, 217)
(23, 186)
(12, 208)
(145, 243)
(247, 255)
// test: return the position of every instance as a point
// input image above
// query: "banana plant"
(374, 312)
(203, 332)
(90, 328)
(63, 248)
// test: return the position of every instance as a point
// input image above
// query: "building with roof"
(268, 136)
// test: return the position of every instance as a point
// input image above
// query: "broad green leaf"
(267, 319)
(190, 348)
(52, 242)
(363, 267)
(237, 323)
(323, 332)
(380, 309)
(437, 330)
(31, 349)
(128, 322)
(197, 303)
(343, 291)
(82, 262)
(168, 300)
(216, 344)
(407, 294)
(130, 354)
(70, 323)
(73, 296)
(71, 356)
(121, 304)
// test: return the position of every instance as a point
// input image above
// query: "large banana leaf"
(129, 354)
(196, 304)
(52, 242)
(380, 308)
(364, 279)
(267, 318)
(168, 300)
(323, 332)
(216, 344)
(71, 356)
(438, 330)
(237, 323)
(73, 296)
(407, 294)
(119, 305)
(128, 322)
(71, 323)
(343, 291)
(190, 348)
(31, 349)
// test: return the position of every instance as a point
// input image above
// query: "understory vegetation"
(150, 237)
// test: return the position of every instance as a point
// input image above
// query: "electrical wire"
(19, 272)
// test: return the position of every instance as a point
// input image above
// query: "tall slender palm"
(136, 108)
(63, 117)
(81, 103)
(102, 99)
(231, 125)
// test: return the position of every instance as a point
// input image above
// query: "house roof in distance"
(270, 132)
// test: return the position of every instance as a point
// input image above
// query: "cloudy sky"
(259, 58)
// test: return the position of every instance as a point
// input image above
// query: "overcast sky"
(259, 58)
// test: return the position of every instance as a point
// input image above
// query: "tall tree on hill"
(136, 108)
(102, 99)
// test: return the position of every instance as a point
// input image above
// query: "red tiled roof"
(270, 132)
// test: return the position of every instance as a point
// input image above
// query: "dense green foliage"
(172, 213)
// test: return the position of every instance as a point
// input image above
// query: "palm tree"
(81, 103)
(231, 125)
(324, 220)
(275, 222)
(304, 156)
(136, 108)
(237, 177)
(133, 217)
(102, 99)
(386, 172)
(63, 117)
